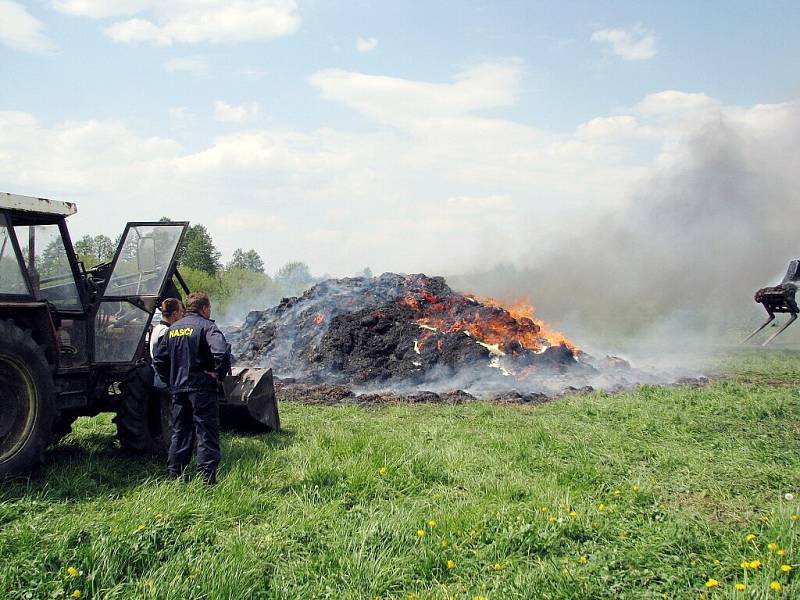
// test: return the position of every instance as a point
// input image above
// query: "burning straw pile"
(411, 337)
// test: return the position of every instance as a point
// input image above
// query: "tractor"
(74, 340)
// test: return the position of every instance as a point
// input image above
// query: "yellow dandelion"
(544, 509)
(795, 518)
(712, 583)
(382, 471)
(432, 523)
(412, 596)
(479, 598)
(775, 586)
(781, 552)
(420, 533)
(740, 587)
(444, 543)
(601, 507)
(755, 564)
(573, 514)
(786, 568)
(552, 520)
(745, 565)
(498, 567)
(616, 492)
(72, 571)
(583, 559)
(635, 488)
(565, 572)
(76, 594)
(750, 537)
(772, 547)
(764, 519)
(451, 564)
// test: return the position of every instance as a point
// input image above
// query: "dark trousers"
(195, 418)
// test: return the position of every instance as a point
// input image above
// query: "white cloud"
(243, 113)
(78, 156)
(237, 221)
(440, 189)
(366, 44)
(137, 30)
(101, 9)
(478, 204)
(22, 31)
(487, 85)
(635, 43)
(197, 65)
(189, 21)
(670, 102)
(325, 236)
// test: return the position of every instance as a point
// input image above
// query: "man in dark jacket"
(193, 359)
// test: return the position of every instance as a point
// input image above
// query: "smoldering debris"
(411, 338)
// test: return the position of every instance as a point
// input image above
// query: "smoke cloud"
(714, 219)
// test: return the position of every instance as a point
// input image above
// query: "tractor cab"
(100, 315)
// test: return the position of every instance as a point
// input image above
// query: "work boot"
(210, 479)
(181, 476)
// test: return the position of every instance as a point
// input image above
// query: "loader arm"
(779, 299)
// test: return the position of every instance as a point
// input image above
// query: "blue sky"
(403, 136)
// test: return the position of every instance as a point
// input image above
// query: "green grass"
(645, 494)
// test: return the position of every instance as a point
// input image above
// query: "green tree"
(95, 250)
(201, 281)
(246, 261)
(198, 251)
(294, 277)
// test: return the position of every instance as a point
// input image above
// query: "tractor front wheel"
(27, 407)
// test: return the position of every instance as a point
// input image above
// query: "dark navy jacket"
(189, 350)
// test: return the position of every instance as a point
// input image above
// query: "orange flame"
(521, 308)
(511, 328)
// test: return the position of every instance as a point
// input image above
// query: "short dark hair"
(197, 301)
(170, 306)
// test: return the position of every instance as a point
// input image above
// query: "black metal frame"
(136, 300)
(5, 221)
(88, 310)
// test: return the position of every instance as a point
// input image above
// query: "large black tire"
(27, 401)
(142, 415)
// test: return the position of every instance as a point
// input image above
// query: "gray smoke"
(716, 219)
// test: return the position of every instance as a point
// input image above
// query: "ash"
(411, 338)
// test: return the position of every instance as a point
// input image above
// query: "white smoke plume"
(714, 219)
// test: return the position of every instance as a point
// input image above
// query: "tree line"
(240, 285)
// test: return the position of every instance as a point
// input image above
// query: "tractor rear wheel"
(142, 415)
(27, 404)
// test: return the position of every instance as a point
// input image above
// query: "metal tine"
(768, 321)
(781, 330)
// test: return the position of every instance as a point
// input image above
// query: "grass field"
(653, 493)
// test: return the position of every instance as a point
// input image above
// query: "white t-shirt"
(156, 335)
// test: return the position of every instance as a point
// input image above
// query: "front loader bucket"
(250, 394)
